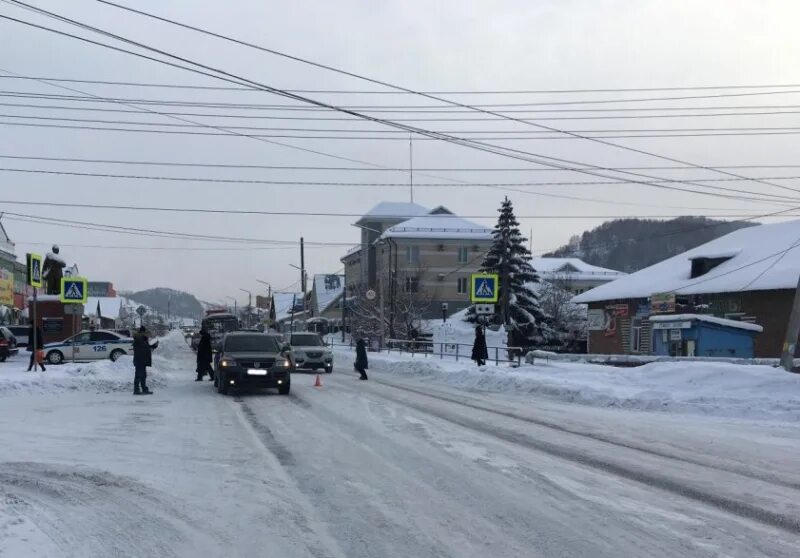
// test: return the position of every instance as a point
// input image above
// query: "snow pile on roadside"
(101, 376)
(712, 388)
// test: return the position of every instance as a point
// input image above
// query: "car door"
(102, 344)
(80, 346)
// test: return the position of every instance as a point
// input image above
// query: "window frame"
(412, 254)
(412, 282)
(463, 251)
(462, 286)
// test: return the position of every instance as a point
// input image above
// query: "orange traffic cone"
(318, 382)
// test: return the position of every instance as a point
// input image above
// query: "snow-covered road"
(391, 467)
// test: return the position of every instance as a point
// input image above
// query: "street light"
(249, 305)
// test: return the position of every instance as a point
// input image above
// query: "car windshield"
(252, 344)
(306, 340)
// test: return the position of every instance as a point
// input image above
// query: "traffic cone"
(318, 382)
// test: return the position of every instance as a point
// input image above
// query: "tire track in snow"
(595, 437)
(92, 513)
(742, 509)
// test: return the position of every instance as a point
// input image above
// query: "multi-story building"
(415, 256)
(573, 274)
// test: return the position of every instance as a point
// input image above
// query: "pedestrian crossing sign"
(34, 275)
(485, 287)
(74, 290)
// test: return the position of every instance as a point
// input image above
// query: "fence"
(450, 350)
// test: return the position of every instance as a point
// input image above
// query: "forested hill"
(169, 301)
(632, 244)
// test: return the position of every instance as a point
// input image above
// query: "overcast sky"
(430, 46)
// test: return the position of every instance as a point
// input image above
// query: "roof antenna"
(411, 166)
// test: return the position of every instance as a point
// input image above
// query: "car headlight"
(227, 362)
(283, 363)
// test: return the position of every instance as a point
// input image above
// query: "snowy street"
(396, 466)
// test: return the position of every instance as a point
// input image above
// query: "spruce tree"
(511, 260)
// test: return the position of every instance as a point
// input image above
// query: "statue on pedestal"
(53, 271)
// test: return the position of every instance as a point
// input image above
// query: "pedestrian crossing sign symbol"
(74, 290)
(485, 287)
(34, 270)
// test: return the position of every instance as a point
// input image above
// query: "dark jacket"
(361, 355)
(142, 350)
(39, 339)
(479, 350)
(204, 352)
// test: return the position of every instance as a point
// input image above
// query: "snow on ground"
(393, 467)
(710, 388)
(97, 376)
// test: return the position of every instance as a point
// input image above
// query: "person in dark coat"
(142, 358)
(479, 351)
(39, 346)
(204, 357)
(361, 363)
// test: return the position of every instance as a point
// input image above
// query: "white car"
(89, 345)
(309, 351)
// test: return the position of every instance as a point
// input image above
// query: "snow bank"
(711, 388)
(101, 376)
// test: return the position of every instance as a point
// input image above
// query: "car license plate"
(256, 372)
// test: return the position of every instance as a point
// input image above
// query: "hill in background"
(633, 244)
(169, 301)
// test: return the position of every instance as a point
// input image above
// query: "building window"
(412, 254)
(463, 285)
(412, 284)
(463, 255)
(636, 336)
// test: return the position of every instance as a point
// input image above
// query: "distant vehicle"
(89, 345)
(310, 352)
(8, 344)
(218, 324)
(249, 359)
(21, 333)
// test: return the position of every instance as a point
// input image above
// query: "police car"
(89, 345)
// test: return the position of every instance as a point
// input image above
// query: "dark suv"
(249, 359)
(8, 344)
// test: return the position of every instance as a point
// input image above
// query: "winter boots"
(143, 391)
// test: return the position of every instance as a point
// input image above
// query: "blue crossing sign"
(74, 290)
(485, 287)
(34, 274)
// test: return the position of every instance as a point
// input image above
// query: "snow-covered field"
(406, 464)
(712, 388)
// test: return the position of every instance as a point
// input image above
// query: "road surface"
(386, 468)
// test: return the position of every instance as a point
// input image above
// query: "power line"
(352, 131)
(319, 214)
(341, 119)
(457, 92)
(405, 109)
(490, 148)
(381, 169)
(392, 86)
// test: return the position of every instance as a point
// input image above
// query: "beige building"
(416, 257)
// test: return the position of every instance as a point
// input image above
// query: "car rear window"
(251, 343)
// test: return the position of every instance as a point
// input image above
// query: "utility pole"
(411, 166)
(792, 332)
(303, 271)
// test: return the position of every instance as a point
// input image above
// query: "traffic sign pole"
(35, 348)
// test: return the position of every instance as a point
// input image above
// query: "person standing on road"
(361, 363)
(35, 350)
(204, 357)
(142, 358)
(479, 351)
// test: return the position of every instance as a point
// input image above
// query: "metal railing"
(458, 351)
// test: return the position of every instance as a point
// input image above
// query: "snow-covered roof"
(395, 210)
(442, 226)
(354, 250)
(283, 303)
(706, 318)
(766, 257)
(574, 268)
(109, 306)
(326, 296)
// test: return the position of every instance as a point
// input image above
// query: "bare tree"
(568, 318)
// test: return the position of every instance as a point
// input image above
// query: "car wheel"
(329, 370)
(55, 357)
(3, 358)
(216, 381)
(285, 388)
(115, 354)
(223, 384)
